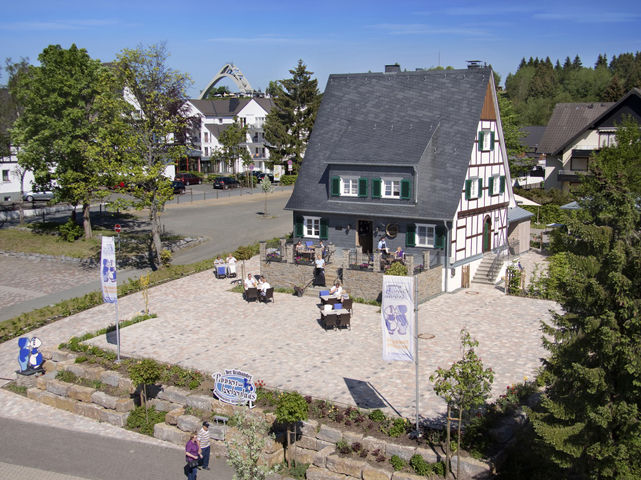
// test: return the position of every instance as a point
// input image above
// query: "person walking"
(191, 457)
(319, 271)
(203, 443)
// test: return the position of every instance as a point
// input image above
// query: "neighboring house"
(530, 140)
(11, 178)
(576, 131)
(218, 114)
(416, 157)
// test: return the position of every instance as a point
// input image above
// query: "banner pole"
(418, 430)
(117, 332)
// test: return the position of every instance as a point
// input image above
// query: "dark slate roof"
(216, 129)
(229, 107)
(532, 137)
(568, 120)
(518, 214)
(426, 120)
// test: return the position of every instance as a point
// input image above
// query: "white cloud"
(422, 29)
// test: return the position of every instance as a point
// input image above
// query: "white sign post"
(108, 280)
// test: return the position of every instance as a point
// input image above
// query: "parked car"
(260, 177)
(225, 182)
(179, 187)
(188, 178)
(44, 196)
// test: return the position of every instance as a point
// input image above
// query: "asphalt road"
(93, 456)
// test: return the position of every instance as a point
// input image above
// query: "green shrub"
(288, 179)
(70, 231)
(143, 422)
(298, 470)
(165, 257)
(397, 463)
(398, 428)
(65, 376)
(81, 359)
(438, 468)
(343, 447)
(397, 269)
(420, 466)
(377, 416)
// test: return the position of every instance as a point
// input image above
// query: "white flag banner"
(397, 318)
(108, 271)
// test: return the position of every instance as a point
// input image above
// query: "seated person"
(231, 263)
(299, 247)
(337, 290)
(382, 245)
(399, 253)
(250, 281)
(263, 285)
(219, 261)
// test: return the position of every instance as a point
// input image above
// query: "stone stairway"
(483, 274)
(331, 274)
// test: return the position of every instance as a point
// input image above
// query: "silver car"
(32, 196)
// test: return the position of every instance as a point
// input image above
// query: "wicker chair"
(330, 320)
(343, 321)
(251, 294)
(347, 304)
(269, 295)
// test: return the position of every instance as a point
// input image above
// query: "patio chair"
(269, 295)
(309, 244)
(323, 292)
(221, 271)
(343, 320)
(347, 304)
(329, 320)
(251, 294)
(338, 306)
(231, 270)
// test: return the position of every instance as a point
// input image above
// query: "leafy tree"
(589, 415)
(289, 124)
(267, 187)
(154, 123)
(512, 134)
(143, 373)
(217, 92)
(232, 149)
(614, 91)
(65, 110)
(463, 386)
(291, 409)
(245, 447)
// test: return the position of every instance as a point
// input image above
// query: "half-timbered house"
(415, 157)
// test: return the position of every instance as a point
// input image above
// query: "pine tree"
(614, 91)
(289, 124)
(590, 414)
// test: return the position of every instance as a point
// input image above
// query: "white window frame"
(6, 175)
(311, 227)
(352, 184)
(474, 188)
(487, 141)
(429, 235)
(392, 182)
(496, 184)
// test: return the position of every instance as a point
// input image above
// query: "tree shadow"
(365, 395)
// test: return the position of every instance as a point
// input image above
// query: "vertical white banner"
(397, 318)
(108, 271)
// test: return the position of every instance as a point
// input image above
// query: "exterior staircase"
(488, 270)
(331, 274)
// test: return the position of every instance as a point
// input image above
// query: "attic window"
(486, 140)
(391, 188)
(473, 188)
(349, 186)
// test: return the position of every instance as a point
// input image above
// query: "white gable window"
(391, 188)
(473, 188)
(425, 235)
(349, 186)
(486, 140)
(311, 227)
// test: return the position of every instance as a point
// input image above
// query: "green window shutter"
(406, 189)
(468, 187)
(323, 229)
(298, 226)
(410, 236)
(490, 185)
(491, 140)
(480, 144)
(480, 188)
(336, 187)
(502, 188)
(376, 188)
(362, 187)
(440, 236)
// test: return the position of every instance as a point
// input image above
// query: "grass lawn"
(25, 240)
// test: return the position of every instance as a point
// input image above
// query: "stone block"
(163, 405)
(200, 402)
(110, 377)
(173, 394)
(345, 465)
(93, 372)
(34, 393)
(77, 369)
(309, 443)
(371, 473)
(189, 423)
(321, 456)
(119, 419)
(58, 388)
(428, 455)
(64, 403)
(406, 476)
(272, 445)
(352, 437)
(48, 366)
(217, 432)
(373, 443)
(60, 356)
(90, 410)
(124, 405)
(303, 455)
(320, 444)
(169, 433)
(172, 416)
(404, 451)
(472, 468)
(126, 384)
(309, 428)
(78, 392)
(315, 473)
(47, 352)
(29, 381)
(104, 400)
(41, 381)
(47, 398)
(329, 434)
(272, 459)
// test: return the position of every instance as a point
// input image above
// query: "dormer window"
(391, 188)
(349, 186)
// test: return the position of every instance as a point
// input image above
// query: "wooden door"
(487, 235)
(364, 238)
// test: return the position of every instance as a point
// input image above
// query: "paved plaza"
(201, 324)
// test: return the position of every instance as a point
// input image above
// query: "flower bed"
(360, 266)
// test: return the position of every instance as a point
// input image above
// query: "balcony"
(572, 176)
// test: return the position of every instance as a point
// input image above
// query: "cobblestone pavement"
(7, 470)
(201, 324)
(24, 278)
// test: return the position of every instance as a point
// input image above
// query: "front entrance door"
(364, 238)
(487, 234)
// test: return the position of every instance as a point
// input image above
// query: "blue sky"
(266, 38)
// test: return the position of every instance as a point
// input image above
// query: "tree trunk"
(155, 231)
(458, 444)
(86, 220)
(447, 445)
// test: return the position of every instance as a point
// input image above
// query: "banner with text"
(108, 271)
(397, 318)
